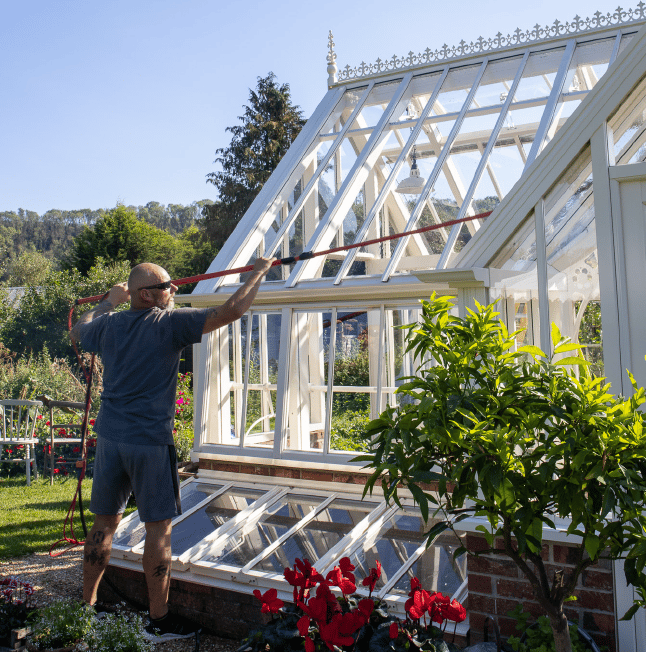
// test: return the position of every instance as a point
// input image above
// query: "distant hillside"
(52, 232)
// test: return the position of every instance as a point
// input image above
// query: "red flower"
(393, 631)
(332, 635)
(371, 580)
(335, 578)
(92, 422)
(454, 611)
(303, 625)
(270, 602)
(76, 449)
(421, 601)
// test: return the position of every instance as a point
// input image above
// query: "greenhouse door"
(628, 227)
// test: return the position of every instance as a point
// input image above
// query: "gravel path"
(60, 577)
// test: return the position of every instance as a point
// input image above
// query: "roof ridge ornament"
(331, 61)
(481, 45)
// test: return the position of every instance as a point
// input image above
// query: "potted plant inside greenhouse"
(521, 440)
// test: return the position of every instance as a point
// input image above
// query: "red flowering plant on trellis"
(319, 620)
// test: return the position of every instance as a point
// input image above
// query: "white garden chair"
(18, 426)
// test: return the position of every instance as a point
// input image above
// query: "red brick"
(283, 472)
(476, 625)
(505, 606)
(350, 478)
(597, 600)
(479, 583)
(596, 622)
(319, 476)
(564, 554)
(223, 466)
(507, 626)
(482, 603)
(488, 566)
(514, 589)
(593, 579)
(476, 543)
(254, 469)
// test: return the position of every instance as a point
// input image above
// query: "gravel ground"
(60, 577)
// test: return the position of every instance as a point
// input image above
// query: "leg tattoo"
(161, 571)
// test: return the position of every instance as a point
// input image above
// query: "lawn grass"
(31, 518)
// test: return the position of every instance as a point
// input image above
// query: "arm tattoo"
(212, 313)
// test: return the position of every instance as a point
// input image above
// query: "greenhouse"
(540, 139)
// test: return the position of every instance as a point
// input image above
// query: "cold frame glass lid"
(317, 535)
(215, 513)
(255, 535)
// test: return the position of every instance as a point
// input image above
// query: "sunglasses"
(159, 286)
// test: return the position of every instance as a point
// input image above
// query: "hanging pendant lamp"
(414, 183)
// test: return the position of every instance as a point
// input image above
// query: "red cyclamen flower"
(371, 580)
(270, 602)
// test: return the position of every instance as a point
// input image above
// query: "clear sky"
(127, 100)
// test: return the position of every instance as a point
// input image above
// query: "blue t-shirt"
(140, 350)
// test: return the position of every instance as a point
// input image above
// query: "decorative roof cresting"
(577, 25)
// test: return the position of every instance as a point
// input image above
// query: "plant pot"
(585, 638)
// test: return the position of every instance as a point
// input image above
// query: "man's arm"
(236, 306)
(118, 294)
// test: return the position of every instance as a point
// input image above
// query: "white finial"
(331, 61)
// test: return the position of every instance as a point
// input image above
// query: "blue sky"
(127, 100)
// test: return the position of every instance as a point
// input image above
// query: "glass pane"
(248, 542)
(210, 517)
(436, 569)
(319, 535)
(572, 262)
(398, 539)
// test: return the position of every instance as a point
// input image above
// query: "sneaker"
(168, 628)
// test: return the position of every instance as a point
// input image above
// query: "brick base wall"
(226, 613)
(496, 586)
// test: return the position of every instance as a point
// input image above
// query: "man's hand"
(263, 264)
(118, 294)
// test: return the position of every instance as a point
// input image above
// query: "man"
(140, 349)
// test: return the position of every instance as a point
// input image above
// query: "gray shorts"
(150, 472)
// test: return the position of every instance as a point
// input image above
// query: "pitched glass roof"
(474, 118)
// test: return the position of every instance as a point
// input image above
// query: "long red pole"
(310, 254)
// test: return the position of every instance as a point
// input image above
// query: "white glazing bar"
(310, 187)
(615, 49)
(392, 177)
(282, 382)
(552, 103)
(331, 354)
(437, 168)
(237, 376)
(244, 240)
(541, 270)
(484, 159)
(381, 357)
(346, 194)
(245, 389)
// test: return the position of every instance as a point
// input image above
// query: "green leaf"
(592, 543)
(572, 360)
(631, 612)
(532, 350)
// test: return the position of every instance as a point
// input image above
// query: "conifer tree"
(269, 125)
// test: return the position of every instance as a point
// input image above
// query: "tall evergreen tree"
(269, 125)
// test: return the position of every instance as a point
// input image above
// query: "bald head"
(144, 275)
